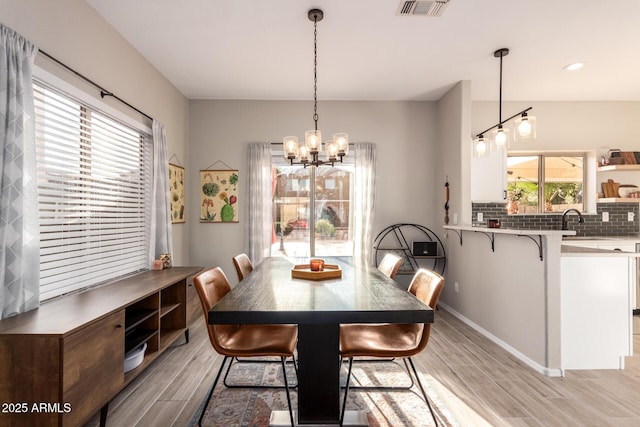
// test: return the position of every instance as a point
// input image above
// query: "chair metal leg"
(286, 386)
(211, 391)
(346, 391)
(383, 387)
(423, 392)
(226, 375)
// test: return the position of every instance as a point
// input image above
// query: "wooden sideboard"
(63, 362)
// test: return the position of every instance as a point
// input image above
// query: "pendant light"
(308, 154)
(525, 125)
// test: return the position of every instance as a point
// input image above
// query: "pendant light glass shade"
(313, 141)
(303, 154)
(290, 147)
(501, 138)
(481, 146)
(341, 140)
(331, 151)
(525, 127)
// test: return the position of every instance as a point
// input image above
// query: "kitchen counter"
(537, 309)
(516, 231)
(572, 250)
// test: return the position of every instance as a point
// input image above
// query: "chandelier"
(309, 153)
(525, 125)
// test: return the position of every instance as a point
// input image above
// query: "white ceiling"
(229, 49)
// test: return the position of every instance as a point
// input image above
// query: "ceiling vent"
(421, 8)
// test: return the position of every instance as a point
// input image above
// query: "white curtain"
(260, 193)
(365, 191)
(19, 237)
(160, 239)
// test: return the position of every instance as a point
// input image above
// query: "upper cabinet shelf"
(618, 168)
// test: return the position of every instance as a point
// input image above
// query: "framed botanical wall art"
(219, 195)
(176, 193)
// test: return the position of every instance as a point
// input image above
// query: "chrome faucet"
(564, 217)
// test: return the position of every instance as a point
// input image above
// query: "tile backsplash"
(618, 224)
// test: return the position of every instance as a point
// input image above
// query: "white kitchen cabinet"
(489, 177)
(595, 311)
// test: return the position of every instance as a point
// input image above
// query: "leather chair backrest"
(426, 285)
(243, 265)
(211, 286)
(390, 265)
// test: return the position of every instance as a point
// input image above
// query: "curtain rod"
(103, 92)
(280, 143)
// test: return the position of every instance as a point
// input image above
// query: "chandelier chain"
(315, 71)
(500, 100)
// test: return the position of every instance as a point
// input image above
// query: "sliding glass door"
(312, 209)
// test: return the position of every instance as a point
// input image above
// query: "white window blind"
(94, 186)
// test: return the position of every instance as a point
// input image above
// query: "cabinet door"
(489, 177)
(93, 370)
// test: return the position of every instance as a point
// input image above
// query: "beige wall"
(404, 132)
(72, 32)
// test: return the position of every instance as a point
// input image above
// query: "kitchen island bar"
(518, 294)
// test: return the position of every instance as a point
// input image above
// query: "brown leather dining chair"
(233, 341)
(390, 265)
(393, 339)
(243, 266)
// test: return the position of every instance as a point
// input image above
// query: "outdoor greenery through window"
(312, 209)
(94, 185)
(544, 183)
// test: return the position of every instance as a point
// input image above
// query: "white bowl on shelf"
(134, 357)
(624, 191)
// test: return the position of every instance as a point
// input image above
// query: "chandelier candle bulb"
(341, 140)
(290, 144)
(313, 140)
(332, 151)
(303, 153)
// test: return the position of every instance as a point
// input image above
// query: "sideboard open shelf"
(71, 350)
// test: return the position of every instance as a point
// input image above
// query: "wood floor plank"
(480, 383)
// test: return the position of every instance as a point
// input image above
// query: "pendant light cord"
(315, 71)
(500, 103)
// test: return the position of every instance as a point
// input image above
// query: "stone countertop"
(601, 239)
(517, 231)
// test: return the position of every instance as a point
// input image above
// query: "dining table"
(362, 294)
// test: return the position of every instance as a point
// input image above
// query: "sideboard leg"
(103, 415)
(186, 335)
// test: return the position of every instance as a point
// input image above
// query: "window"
(312, 209)
(94, 187)
(544, 183)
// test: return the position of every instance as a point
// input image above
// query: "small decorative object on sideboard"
(157, 264)
(493, 223)
(166, 260)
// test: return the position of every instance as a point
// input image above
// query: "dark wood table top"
(362, 295)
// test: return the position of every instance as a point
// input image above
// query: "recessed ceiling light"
(573, 67)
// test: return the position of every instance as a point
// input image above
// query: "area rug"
(252, 407)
